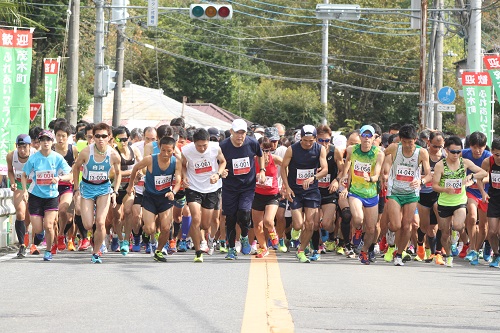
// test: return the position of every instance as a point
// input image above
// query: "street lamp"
(327, 12)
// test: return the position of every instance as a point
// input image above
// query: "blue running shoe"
(315, 256)
(115, 245)
(495, 262)
(487, 251)
(137, 244)
(182, 246)
(363, 257)
(231, 254)
(372, 256)
(96, 259)
(471, 255)
(124, 247)
(454, 250)
(475, 260)
(246, 248)
(356, 238)
(47, 256)
(324, 235)
(148, 248)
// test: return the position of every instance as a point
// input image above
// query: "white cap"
(340, 141)
(257, 136)
(239, 125)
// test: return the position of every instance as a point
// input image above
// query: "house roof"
(217, 112)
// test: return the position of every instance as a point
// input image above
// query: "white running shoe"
(204, 247)
(398, 261)
(253, 248)
(237, 246)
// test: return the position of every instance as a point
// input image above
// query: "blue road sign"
(446, 95)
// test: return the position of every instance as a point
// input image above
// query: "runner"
(45, 168)
(98, 159)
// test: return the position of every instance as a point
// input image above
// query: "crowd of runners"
(398, 195)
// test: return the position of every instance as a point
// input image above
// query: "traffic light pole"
(99, 61)
(324, 71)
(120, 59)
(72, 74)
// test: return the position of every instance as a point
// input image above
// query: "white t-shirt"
(201, 166)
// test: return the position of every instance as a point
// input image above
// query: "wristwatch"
(263, 169)
(422, 181)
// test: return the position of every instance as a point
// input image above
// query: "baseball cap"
(214, 133)
(47, 134)
(257, 136)
(308, 130)
(272, 134)
(239, 125)
(368, 128)
(340, 141)
(23, 139)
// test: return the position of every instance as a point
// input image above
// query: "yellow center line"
(266, 306)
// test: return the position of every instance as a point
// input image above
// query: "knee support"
(345, 225)
(243, 217)
(20, 231)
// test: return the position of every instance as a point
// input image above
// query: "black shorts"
(62, 189)
(138, 199)
(38, 206)
(381, 204)
(433, 218)
(260, 201)
(120, 196)
(330, 198)
(447, 211)
(428, 199)
(493, 208)
(308, 199)
(156, 203)
(206, 200)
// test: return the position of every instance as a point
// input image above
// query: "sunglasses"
(434, 146)
(324, 140)
(266, 150)
(366, 135)
(456, 152)
(121, 139)
(101, 136)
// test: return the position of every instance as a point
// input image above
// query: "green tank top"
(455, 180)
(363, 162)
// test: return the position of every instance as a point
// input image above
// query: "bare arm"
(480, 181)
(10, 171)
(143, 163)
(82, 158)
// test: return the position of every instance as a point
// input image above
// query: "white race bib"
(303, 174)
(44, 177)
(267, 184)
(162, 182)
(455, 184)
(241, 166)
(202, 166)
(141, 181)
(18, 175)
(404, 173)
(324, 182)
(360, 168)
(430, 183)
(495, 179)
(97, 177)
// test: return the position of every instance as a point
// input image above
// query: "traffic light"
(211, 11)
(108, 84)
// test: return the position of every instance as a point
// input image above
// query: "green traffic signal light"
(198, 11)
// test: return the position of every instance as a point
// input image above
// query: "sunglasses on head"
(121, 139)
(100, 136)
(453, 151)
(324, 140)
(366, 135)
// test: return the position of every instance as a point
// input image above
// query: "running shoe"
(124, 247)
(463, 253)
(22, 251)
(53, 249)
(330, 246)
(253, 248)
(71, 245)
(222, 247)
(487, 252)
(315, 256)
(411, 250)
(295, 234)
(96, 258)
(372, 256)
(198, 257)
(349, 253)
(420, 253)
(136, 247)
(245, 245)
(427, 253)
(34, 250)
(398, 261)
(438, 259)
(159, 256)
(495, 262)
(406, 256)
(340, 250)
(430, 258)
(357, 249)
(148, 247)
(84, 244)
(204, 246)
(172, 246)
(389, 255)
(471, 255)
(481, 254)
(454, 250)
(211, 246)
(182, 246)
(61, 245)
(282, 246)
(103, 248)
(322, 249)
(152, 248)
(383, 244)
(237, 246)
(294, 244)
(47, 256)
(376, 249)
(356, 238)
(274, 238)
(363, 257)
(449, 261)
(302, 257)
(262, 253)
(231, 254)
(115, 245)
(475, 260)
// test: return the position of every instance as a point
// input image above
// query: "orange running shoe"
(34, 250)
(262, 253)
(421, 252)
(274, 237)
(53, 249)
(439, 259)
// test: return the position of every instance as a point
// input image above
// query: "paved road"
(277, 294)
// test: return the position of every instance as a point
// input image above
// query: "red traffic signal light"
(211, 11)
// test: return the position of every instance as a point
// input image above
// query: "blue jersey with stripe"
(160, 181)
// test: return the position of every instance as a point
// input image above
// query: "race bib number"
(202, 166)
(141, 181)
(125, 179)
(267, 184)
(429, 184)
(360, 168)
(163, 182)
(18, 175)
(455, 184)
(495, 180)
(44, 177)
(404, 173)
(241, 166)
(303, 174)
(97, 177)
(324, 182)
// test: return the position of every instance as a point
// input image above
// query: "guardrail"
(7, 209)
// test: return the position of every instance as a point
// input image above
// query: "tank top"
(270, 187)
(159, 181)
(473, 189)
(156, 149)
(70, 159)
(200, 166)
(453, 179)
(303, 165)
(494, 182)
(427, 188)
(126, 165)
(97, 172)
(18, 166)
(363, 162)
(324, 182)
(403, 171)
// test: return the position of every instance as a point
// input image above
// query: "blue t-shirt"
(473, 189)
(41, 170)
(240, 164)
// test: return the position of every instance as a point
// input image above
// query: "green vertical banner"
(51, 70)
(477, 95)
(15, 69)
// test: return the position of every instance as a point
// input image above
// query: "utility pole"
(429, 120)
(99, 61)
(438, 116)
(423, 52)
(73, 58)
(324, 71)
(474, 60)
(120, 59)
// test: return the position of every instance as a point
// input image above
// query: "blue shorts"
(308, 199)
(367, 202)
(92, 191)
(156, 203)
(232, 201)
